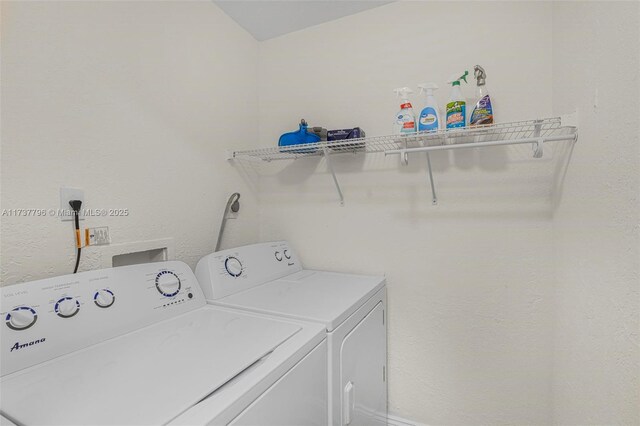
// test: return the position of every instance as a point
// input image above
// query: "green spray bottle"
(457, 105)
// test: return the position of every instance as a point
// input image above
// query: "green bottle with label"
(456, 110)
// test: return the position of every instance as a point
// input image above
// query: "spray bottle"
(483, 109)
(457, 105)
(405, 121)
(429, 118)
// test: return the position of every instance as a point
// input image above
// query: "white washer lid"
(326, 297)
(146, 377)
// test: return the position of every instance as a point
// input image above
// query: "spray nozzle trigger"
(455, 78)
(403, 92)
(428, 88)
(480, 75)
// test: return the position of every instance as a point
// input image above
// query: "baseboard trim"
(393, 420)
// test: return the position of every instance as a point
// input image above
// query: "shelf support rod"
(325, 152)
(434, 198)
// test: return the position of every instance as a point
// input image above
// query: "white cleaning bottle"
(457, 105)
(429, 118)
(405, 121)
(483, 108)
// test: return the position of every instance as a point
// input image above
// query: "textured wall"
(470, 280)
(135, 102)
(596, 63)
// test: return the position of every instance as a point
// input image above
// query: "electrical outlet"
(98, 236)
(66, 195)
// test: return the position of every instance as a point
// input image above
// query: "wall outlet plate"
(98, 236)
(66, 195)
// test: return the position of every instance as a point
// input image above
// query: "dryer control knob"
(168, 283)
(278, 256)
(67, 307)
(21, 318)
(287, 254)
(233, 266)
(104, 298)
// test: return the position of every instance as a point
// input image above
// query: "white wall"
(596, 63)
(134, 102)
(470, 280)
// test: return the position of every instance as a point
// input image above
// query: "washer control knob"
(67, 307)
(278, 256)
(21, 318)
(104, 298)
(233, 266)
(287, 254)
(168, 283)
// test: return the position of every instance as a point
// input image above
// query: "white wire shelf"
(534, 132)
(549, 129)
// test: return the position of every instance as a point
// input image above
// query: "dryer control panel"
(227, 272)
(48, 318)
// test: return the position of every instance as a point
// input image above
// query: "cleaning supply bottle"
(457, 105)
(405, 121)
(483, 109)
(429, 118)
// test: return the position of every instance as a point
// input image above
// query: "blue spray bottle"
(429, 117)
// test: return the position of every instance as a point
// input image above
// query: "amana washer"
(139, 345)
(268, 278)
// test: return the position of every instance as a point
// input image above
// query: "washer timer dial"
(233, 266)
(168, 283)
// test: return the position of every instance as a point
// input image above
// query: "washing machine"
(139, 345)
(268, 278)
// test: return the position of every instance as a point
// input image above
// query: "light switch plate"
(66, 195)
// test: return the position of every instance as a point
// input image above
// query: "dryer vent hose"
(233, 205)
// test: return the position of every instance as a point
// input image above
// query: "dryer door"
(363, 371)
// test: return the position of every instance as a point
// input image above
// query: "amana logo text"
(19, 345)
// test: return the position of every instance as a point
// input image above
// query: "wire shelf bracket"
(333, 174)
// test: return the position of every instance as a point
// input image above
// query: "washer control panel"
(48, 318)
(223, 273)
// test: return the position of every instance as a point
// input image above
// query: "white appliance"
(138, 345)
(268, 278)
